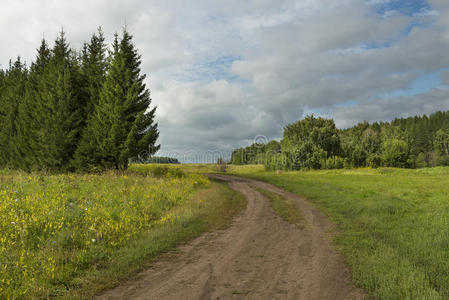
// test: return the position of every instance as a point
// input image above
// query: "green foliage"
(254, 154)
(121, 127)
(307, 144)
(158, 171)
(436, 158)
(76, 110)
(373, 161)
(394, 153)
(94, 65)
(33, 111)
(277, 161)
(61, 108)
(441, 141)
(273, 147)
(315, 143)
(421, 161)
(72, 235)
(157, 160)
(11, 98)
(317, 132)
(333, 162)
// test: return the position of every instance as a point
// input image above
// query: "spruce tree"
(62, 107)
(94, 66)
(122, 125)
(2, 77)
(11, 96)
(32, 111)
(2, 86)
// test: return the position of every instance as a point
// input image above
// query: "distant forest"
(315, 143)
(157, 160)
(72, 110)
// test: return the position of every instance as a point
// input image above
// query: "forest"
(85, 110)
(316, 143)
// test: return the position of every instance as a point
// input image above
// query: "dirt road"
(259, 257)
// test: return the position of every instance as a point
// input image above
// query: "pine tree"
(121, 127)
(12, 95)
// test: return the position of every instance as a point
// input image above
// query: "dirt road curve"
(259, 257)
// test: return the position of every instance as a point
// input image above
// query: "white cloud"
(389, 108)
(285, 57)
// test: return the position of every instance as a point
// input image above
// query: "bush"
(333, 162)
(395, 153)
(156, 171)
(421, 161)
(373, 161)
(276, 162)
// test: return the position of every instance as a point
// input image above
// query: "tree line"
(316, 143)
(80, 110)
(157, 160)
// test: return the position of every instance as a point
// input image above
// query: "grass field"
(394, 222)
(70, 236)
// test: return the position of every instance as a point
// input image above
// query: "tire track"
(259, 257)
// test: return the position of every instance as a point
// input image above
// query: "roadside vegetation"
(72, 235)
(394, 224)
(316, 143)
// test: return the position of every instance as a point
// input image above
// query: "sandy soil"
(259, 257)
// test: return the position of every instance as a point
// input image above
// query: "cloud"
(223, 72)
(445, 78)
(389, 108)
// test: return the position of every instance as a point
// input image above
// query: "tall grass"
(58, 230)
(395, 224)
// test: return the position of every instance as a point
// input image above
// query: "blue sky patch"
(406, 7)
(219, 68)
(388, 43)
(419, 86)
(214, 69)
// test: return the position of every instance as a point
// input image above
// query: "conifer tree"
(62, 107)
(94, 66)
(122, 125)
(32, 110)
(11, 96)
(2, 77)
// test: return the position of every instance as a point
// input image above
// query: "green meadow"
(73, 235)
(394, 224)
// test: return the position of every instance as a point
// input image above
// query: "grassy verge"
(283, 207)
(70, 236)
(211, 208)
(395, 224)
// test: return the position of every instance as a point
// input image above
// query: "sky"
(226, 73)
